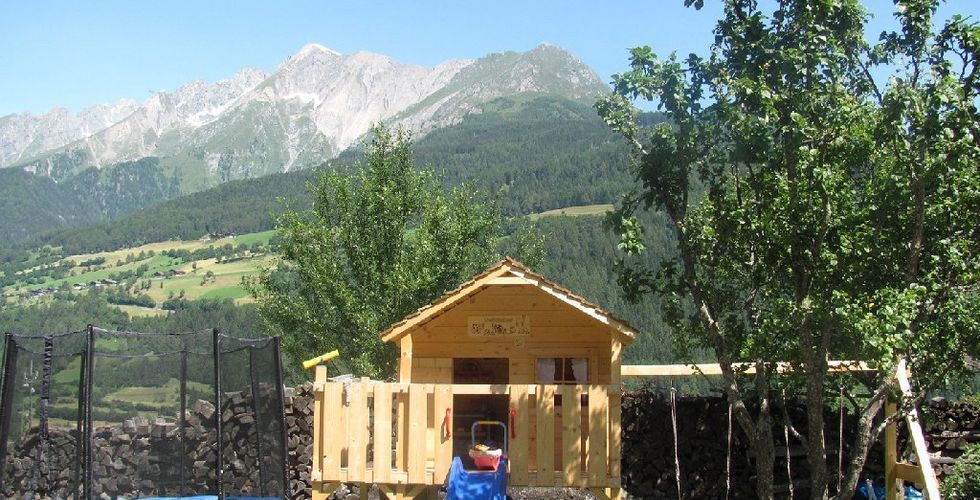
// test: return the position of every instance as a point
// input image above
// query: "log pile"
(299, 440)
(949, 428)
(648, 461)
(142, 457)
(648, 448)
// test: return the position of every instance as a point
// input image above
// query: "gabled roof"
(507, 272)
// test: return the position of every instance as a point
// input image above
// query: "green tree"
(819, 214)
(380, 241)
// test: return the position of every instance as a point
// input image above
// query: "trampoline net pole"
(277, 360)
(6, 401)
(256, 412)
(87, 426)
(80, 426)
(219, 465)
(182, 437)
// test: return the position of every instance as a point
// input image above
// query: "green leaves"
(382, 240)
(818, 214)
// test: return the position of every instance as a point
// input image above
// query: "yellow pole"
(323, 358)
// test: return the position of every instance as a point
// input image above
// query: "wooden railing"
(401, 434)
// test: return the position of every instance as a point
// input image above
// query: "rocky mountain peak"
(315, 104)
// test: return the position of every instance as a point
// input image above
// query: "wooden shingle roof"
(508, 272)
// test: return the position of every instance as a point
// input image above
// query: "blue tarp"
(879, 492)
(477, 485)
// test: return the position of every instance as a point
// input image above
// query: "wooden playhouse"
(507, 346)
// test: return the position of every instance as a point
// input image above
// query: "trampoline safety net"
(101, 414)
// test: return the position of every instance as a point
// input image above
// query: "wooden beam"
(509, 280)
(715, 369)
(405, 359)
(918, 438)
(909, 472)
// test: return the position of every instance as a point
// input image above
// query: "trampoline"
(123, 415)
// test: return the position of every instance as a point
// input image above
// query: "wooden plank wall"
(579, 457)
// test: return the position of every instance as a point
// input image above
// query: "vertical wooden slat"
(358, 429)
(417, 399)
(518, 445)
(405, 377)
(319, 378)
(401, 423)
(571, 436)
(545, 434)
(892, 484)
(615, 407)
(382, 433)
(333, 434)
(443, 432)
(598, 432)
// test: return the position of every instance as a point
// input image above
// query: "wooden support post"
(893, 486)
(615, 409)
(334, 435)
(382, 433)
(443, 401)
(405, 377)
(545, 428)
(319, 379)
(598, 435)
(519, 435)
(571, 436)
(357, 430)
(417, 403)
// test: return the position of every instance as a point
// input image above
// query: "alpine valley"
(315, 105)
(136, 215)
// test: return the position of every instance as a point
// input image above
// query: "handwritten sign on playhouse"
(500, 326)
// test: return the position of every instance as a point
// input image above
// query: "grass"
(140, 312)
(165, 396)
(252, 238)
(574, 211)
(224, 284)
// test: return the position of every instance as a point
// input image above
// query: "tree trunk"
(816, 452)
(863, 439)
(765, 454)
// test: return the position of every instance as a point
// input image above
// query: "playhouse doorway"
(468, 408)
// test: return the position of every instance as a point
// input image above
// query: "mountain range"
(312, 107)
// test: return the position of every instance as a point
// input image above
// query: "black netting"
(149, 409)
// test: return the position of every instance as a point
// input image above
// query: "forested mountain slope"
(535, 153)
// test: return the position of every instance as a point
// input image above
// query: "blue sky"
(76, 54)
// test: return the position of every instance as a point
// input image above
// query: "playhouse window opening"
(563, 371)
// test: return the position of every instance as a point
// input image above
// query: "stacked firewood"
(648, 461)
(949, 428)
(299, 440)
(141, 457)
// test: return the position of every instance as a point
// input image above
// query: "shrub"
(964, 482)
